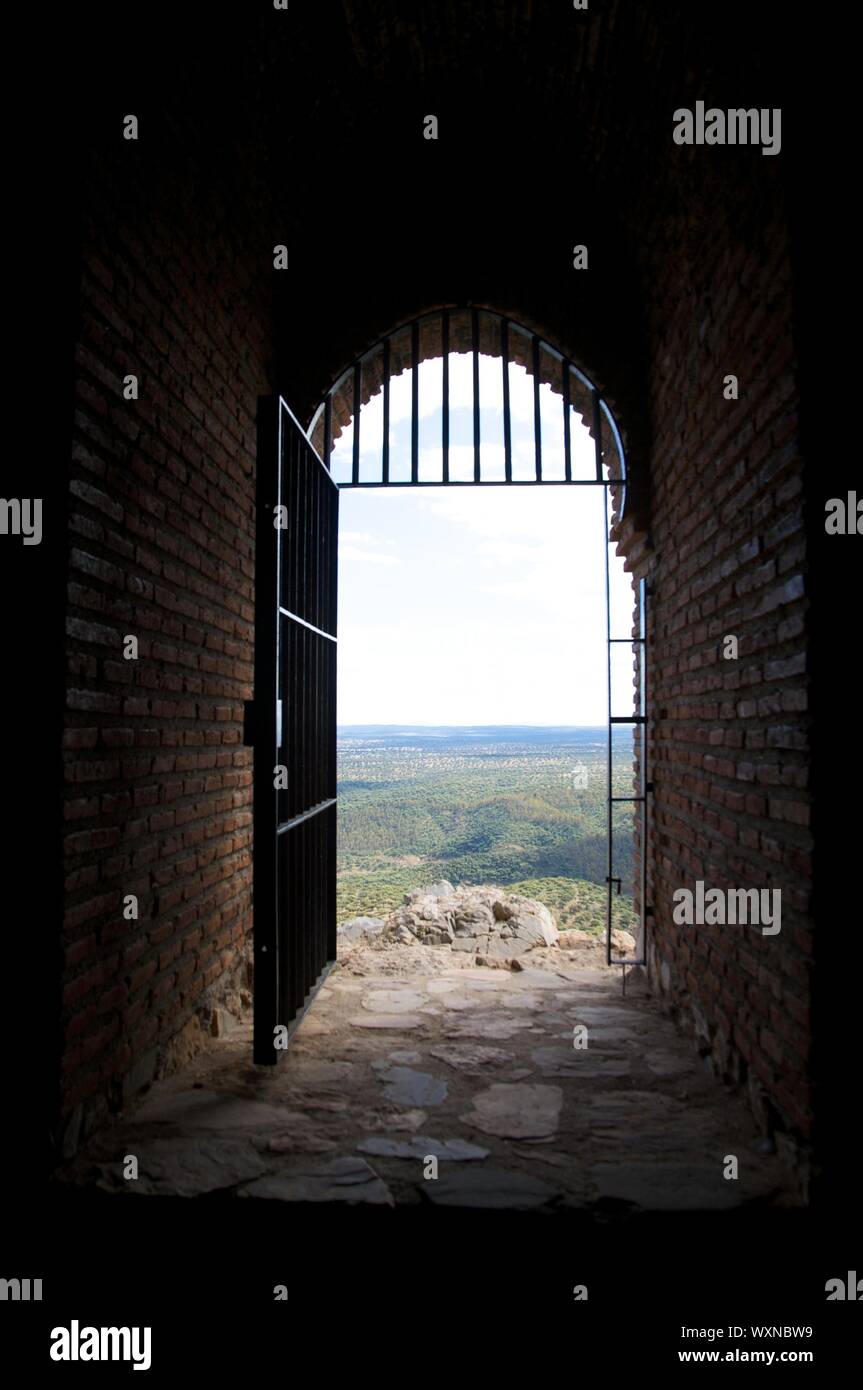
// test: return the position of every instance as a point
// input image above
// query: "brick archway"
(481, 331)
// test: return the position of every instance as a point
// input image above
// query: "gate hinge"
(249, 723)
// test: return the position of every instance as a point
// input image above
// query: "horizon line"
(415, 724)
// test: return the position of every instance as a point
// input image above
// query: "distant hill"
(501, 804)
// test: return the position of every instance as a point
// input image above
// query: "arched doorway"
(356, 439)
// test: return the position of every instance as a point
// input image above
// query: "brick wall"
(157, 781)
(726, 554)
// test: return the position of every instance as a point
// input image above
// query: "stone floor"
(412, 1054)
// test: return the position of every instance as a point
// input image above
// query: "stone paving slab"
(498, 1188)
(340, 1180)
(632, 1120)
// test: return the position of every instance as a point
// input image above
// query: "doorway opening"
(461, 398)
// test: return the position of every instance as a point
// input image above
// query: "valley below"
(521, 807)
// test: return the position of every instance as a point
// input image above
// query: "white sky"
(475, 605)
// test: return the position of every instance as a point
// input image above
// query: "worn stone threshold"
(418, 1077)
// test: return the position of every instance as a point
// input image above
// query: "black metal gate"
(292, 726)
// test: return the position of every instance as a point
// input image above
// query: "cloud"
(368, 557)
(363, 538)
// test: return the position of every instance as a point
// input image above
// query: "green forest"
(524, 809)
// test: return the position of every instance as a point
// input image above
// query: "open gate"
(292, 726)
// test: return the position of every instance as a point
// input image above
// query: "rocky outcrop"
(361, 928)
(622, 942)
(484, 921)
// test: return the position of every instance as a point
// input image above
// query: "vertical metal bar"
(415, 400)
(567, 442)
(309, 905)
(284, 973)
(315, 925)
(317, 569)
(474, 333)
(645, 776)
(609, 802)
(265, 864)
(324, 559)
(307, 910)
(445, 394)
(323, 890)
(311, 558)
(355, 471)
(328, 428)
(597, 435)
(507, 422)
(331, 878)
(385, 459)
(294, 869)
(537, 429)
(316, 709)
(294, 489)
(331, 734)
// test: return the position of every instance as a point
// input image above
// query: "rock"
(468, 1056)
(534, 925)
(201, 1108)
(301, 1139)
(311, 1027)
(474, 919)
(571, 940)
(360, 928)
(471, 1026)
(396, 1023)
(568, 1061)
(421, 922)
(393, 1001)
(315, 1072)
(441, 889)
(348, 1179)
(420, 1147)
(517, 1111)
(488, 1187)
(667, 1063)
(435, 933)
(392, 1120)
(485, 921)
(403, 935)
(186, 1167)
(622, 944)
(672, 1186)
(404, 1086)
